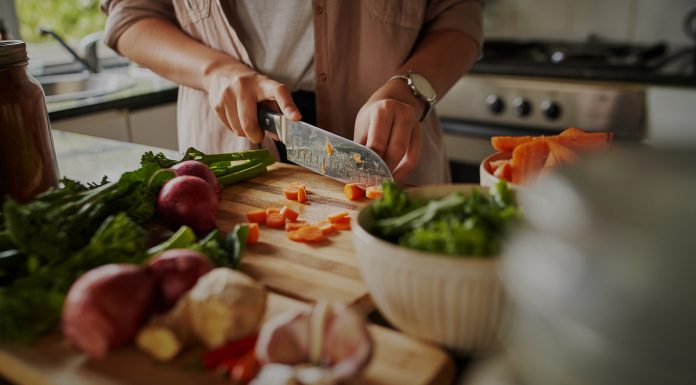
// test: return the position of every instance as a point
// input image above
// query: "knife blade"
(324, 152)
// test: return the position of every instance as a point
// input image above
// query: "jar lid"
(12, 53)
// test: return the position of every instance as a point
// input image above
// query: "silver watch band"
(410, 84)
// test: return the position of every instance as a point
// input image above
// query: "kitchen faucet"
(89, 44)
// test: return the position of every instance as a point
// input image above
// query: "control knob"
(522, 107)
(551, 110)
(495, 104)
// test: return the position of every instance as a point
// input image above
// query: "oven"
(541, 88)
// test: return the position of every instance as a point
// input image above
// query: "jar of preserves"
(27, 158)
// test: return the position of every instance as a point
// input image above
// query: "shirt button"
(323, 76)
(320, 10)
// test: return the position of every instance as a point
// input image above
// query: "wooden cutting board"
(327, 270)
(397, 360)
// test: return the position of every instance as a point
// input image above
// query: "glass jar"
(27, 158)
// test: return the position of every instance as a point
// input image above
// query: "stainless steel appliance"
(534, 88)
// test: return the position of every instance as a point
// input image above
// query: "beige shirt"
(279, 37)
(359, 45)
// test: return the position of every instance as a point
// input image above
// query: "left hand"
(388, 124)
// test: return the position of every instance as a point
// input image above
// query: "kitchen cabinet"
(155, 126)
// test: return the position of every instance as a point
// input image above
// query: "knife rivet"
(268, 122)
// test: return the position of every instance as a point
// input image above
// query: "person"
(372, 68)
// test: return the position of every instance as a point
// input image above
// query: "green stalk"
(254, 169)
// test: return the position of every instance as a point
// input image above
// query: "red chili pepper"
(232, 351)
(246, 369)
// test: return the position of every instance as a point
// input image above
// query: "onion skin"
(188, 200)
(199, 169)
(176, 272)
(106, 307)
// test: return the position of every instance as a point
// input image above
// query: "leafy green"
(456, 225)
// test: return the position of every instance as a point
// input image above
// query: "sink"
(83, 85)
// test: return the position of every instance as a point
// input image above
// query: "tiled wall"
(622, 20)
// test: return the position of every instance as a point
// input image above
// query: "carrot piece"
(504, 171)
(579, 140)
(528, 160)
(272, 210)
(326, 227)
(294, 236)
(353, 191)
(302, 194)
(342, 225)
(310, 233)
(329, 148)
(494, 165)
(253, 234)
(246, 368)
(289, 213)
(290, 191)
(559, 155)
(509, 143)
(256, 216)
(336, 216)
(373, 192)
(289, 226)
(275, 220)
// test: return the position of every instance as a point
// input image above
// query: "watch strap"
(409, 82)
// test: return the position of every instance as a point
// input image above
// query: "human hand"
(388, 124)
(234, 90)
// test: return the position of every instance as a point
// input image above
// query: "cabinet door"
(155, 126)
(108, 124)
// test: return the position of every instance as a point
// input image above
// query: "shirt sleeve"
(461, 15)
(124, 13)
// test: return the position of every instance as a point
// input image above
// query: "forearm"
(442, 57)
(168, 51)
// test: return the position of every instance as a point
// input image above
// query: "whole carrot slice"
(302, 194)
(253, 234)
(326, 227)
(294, 236)
(275, 220)
(342, 224)
(257, 216)
(528, 160)
(337, 216)
(290, 191)
(289, 213)
(310, 233)
(353, 191)
(373, 192)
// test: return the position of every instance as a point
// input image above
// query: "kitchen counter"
(149, 90)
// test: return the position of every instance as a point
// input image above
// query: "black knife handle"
(267, 120)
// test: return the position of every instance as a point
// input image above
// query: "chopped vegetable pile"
(49, 242)
(455, 225)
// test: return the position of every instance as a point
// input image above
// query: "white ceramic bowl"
(487, 179)
(455, 302)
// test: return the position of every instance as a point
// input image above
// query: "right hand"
(234, 91)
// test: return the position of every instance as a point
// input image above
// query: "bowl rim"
(418, 255)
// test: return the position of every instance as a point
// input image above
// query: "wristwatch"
(420, 86)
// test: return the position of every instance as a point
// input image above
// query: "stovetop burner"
(593, 59)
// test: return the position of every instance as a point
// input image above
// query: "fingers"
(399, 137)
(379, 129)
(248, 119)
(280, 93)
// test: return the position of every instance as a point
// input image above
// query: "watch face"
(423, 86)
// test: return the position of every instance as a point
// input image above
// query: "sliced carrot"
(253, 234)
(272, 210)
(504, 171)
(326, 227)
(342, 225)
(579, 140)
(290, 191)
(509, 143)
(310, 233)
(329, 148)
(337, 216)
(353, 191)
(289, 213)
(302, 194)
(373, 192)
(527, 160)
(295, 236)
(494, 165)
(275, 220)
(559, 155)
(256, 216)
(289, 226)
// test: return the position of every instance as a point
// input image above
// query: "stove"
(543, 87)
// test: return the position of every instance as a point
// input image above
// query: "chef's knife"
(324, 152)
